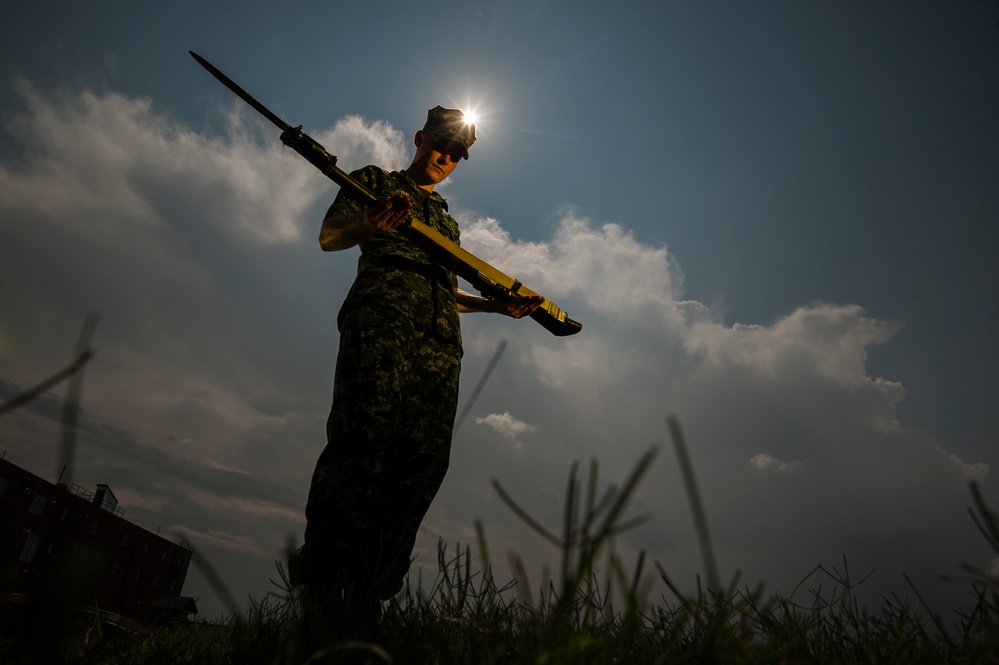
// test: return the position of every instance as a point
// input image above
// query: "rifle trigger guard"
(489, 288)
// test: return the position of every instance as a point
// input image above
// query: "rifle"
(487, 280)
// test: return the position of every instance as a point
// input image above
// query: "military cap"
(450, 124)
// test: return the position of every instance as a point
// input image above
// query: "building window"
(65, 515)
(156, 580)
(170, 588)
(115, 567)
(38, 503)
(30, 547)
(3, 484)
(136, 575)
(163, 555)
(144, 548)
(124, 539)
(95, 526)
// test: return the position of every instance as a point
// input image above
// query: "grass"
(465, 616)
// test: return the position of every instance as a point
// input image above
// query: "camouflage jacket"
(392, 272)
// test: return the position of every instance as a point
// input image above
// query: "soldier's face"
(435, 158)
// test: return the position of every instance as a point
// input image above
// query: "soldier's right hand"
(390, 213)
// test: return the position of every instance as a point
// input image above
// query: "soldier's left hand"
(521, 306)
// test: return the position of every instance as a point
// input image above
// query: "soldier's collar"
(423, 193)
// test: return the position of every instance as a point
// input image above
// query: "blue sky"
(775, 221)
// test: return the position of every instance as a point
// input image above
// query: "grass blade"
(694, 495)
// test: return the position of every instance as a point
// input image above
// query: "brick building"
(50, 529)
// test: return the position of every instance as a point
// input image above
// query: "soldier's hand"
(521, 306)
(390, 213)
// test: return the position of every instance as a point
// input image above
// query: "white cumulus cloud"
(506, 426)
(763, 462)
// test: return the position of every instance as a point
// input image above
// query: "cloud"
(219, 539)
(763, 462)
(506, 426)
(249, 509)
(361, 142)
(594, 258)
(797, 387)
(206, 401)
(973, 471)
(174, 237)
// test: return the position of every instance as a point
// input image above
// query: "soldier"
(395, 387)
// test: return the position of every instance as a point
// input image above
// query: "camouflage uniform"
(394, 396)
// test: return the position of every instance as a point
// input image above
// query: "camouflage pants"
(388, 443)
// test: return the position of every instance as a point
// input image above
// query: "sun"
(471, 117)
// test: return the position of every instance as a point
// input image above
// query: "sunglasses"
(446, 147)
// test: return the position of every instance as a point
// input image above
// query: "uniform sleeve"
(346, 202)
